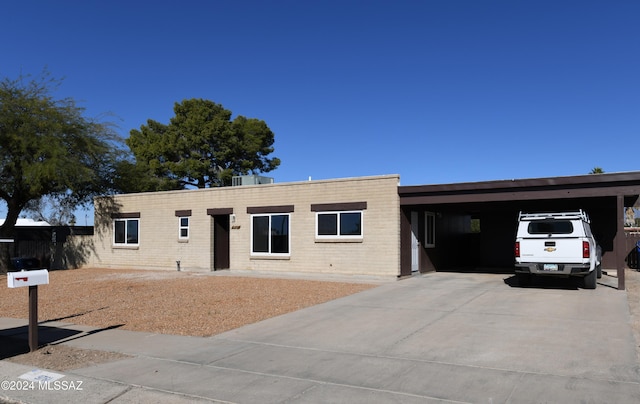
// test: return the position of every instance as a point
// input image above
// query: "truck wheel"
(590, 280)
(599, 270)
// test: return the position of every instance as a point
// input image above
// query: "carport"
(471, 226)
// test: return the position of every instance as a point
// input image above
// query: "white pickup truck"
(557, 244)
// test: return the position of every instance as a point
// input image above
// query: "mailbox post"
(31, 279)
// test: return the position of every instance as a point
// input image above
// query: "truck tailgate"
(556, 250)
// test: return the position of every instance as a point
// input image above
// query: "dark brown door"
(221, 242)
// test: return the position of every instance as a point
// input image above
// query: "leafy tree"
(596, 170)
(48, 149)
(138, 177)
(200, 147)
(57, 210)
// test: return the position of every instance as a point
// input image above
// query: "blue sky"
(436, 91)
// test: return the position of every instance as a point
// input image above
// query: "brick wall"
(377, 253)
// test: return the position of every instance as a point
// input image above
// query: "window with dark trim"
(126, 231)
(270, 234)
(339, 224)
(183, 223)
(183, 228)
(339, 220)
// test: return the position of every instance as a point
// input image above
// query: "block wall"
(377, 254)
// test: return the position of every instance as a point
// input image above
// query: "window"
(429, 229)
(550, 227)
(475, 225)
(339, 224)
(125, 231)
(270, 234)
(183, 228)
(183, 224)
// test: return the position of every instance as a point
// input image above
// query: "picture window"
(270, 234)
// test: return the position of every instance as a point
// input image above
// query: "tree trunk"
(7, 232)
(5, 257)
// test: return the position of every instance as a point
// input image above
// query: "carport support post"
(33, 318)
(619, 242)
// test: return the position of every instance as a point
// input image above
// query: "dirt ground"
(178, 303)
(174, 303)
(632, 285)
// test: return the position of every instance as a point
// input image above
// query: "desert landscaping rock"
(178, 303)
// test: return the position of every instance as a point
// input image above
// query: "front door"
(221, 259)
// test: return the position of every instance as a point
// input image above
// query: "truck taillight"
(517, 249)
(585, 249)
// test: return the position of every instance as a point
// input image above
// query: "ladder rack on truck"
(579, 214)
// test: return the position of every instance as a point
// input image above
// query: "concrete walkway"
(441, 337)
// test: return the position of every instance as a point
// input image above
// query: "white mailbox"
(28, 278)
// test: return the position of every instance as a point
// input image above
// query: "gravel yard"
(181, 303)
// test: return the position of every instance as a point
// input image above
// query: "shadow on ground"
(546, 282)
(15, 341)
(552, 282)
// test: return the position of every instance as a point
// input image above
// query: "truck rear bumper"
(575, 269)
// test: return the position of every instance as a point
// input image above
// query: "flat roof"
(590, 185)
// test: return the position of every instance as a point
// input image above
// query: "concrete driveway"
(440, 337)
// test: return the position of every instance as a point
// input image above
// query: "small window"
(339, 224)
(475, 225)
(183, 229)
(429, 229)
(270, 234)
(125, 231)
(550, 227)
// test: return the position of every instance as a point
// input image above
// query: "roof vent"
(239, 180)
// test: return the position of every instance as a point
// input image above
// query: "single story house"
(347, 226)
(354, 226)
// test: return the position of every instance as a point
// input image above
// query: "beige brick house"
(345, 226)
(353, 226)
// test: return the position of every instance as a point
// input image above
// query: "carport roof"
(626, 184)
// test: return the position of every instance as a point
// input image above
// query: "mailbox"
(27, 278)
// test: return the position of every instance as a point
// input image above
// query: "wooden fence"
(632, 237)
(55, 247)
